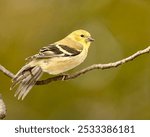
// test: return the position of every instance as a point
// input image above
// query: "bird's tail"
(26, 79)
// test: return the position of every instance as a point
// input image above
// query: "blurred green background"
(119, 27)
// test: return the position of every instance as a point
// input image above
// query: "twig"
(95, 66)
(85, 70)
(2, 108)
(6, 72)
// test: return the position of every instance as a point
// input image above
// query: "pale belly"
(60, 65)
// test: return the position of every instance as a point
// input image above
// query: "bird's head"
(81, 36)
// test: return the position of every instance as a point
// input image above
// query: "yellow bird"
(54, 59)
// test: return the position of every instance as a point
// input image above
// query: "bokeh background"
(120, 28)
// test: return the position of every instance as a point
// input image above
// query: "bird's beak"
(90, 39)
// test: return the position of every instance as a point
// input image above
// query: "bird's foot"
(64, 75)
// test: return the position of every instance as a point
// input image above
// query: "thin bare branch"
(6, 72)
(2, 108)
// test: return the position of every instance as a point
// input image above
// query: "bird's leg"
(64, 75)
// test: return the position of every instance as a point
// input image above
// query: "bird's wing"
(54, 50)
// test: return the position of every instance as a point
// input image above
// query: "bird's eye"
(82, 35)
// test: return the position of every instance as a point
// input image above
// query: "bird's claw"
(64, 76)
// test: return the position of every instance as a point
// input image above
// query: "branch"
(2, 108)
(95, 66)
(85, 70)
(6, 72)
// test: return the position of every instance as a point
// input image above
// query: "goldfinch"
(54, 59)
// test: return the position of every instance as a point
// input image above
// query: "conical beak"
(90, 39)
